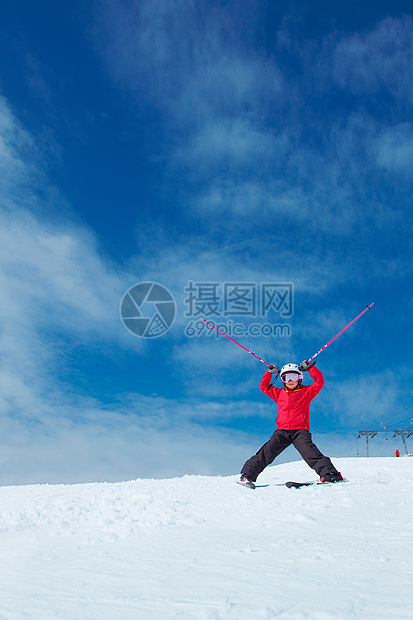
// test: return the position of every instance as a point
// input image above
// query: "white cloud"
(55, 286)
(395, 149)
(15, 143)
(246, 136)
(57, 272)
(109, 445)
(185, 59)
(381, 58)
(363, 400)
(207, 82)
(228, 146)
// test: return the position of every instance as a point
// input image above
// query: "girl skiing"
(293, 423)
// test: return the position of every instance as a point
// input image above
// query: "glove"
(273, 369)
(306, 365)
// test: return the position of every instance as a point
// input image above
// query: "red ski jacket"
(293, 405)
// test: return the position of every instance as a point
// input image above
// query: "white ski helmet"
(291, 368)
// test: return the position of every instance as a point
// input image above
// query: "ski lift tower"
(402, 433)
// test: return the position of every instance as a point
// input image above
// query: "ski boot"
(332, 477)
(246, 481)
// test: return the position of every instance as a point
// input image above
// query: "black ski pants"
(302, 442)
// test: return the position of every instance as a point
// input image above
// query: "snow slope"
(204, 547)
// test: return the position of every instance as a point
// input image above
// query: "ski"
(290, 484)
(298, 485)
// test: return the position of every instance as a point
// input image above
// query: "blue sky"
(209, 142)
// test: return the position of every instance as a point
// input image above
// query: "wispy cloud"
(191, 61)
(266, 171)
(381, 59)
(395, 150)
(66, 444)
(249, 145)
(364, 401)
(57, 293)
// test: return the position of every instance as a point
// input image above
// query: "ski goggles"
(290, 376)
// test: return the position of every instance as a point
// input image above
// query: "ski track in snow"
(205, 548)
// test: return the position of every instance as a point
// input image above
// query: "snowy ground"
(204, 547)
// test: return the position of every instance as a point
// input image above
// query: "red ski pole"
(240, 345)
(343, 330)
